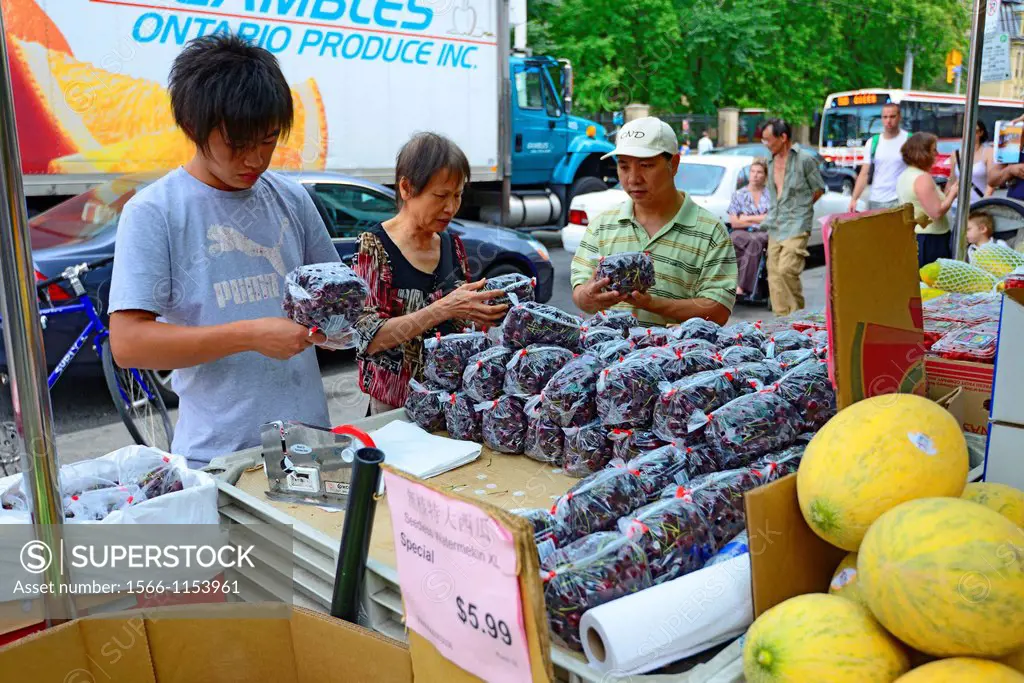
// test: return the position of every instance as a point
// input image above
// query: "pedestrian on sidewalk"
(417, 270)
(748, 207)
(931, 206)
(694, 260)
(794, 185)
(202, 253)
(883, 162)
(705, 145)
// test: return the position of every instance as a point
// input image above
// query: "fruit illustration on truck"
(91, 101)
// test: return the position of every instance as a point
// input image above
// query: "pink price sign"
(458, 573)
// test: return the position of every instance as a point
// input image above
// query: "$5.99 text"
(495, 628)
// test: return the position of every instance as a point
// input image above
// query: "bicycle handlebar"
(43, 284)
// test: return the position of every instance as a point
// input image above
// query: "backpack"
(874, 148)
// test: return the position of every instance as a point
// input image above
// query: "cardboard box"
(975, 379)
(210, 644)
(1008, 389)
(1004, 459)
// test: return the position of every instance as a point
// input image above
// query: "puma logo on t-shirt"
(224, 238)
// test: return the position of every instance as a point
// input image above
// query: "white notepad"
(418, 452)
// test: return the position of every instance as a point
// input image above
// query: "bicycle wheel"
(138, 402)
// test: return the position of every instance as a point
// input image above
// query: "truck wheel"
(585, 185)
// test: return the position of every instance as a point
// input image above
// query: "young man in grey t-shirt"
(202, 254)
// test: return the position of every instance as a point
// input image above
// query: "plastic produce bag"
(533, 323)
(523, 287)
(503, 424)
(445, 358)
(997, 259)
(597, 501)
(548, 532)
(674, 534)
(150, 475)
(648, 337)
(968, 344)
(697, 328)
(751, 426)
(734, 355)
(328, 296)
(689, 345)
(484, 375)
(786, 340)
(98, 504)
(426, 406)
(809, 389)
(626, 393)
(720, 496)
(659, 468)
(586, 450)
(569, 396)
(611, 351)
(529, 370)
(739, 545)
(957, 276)
(629, 443)
(804, 320)
(592, 336)
(613, 318)
(461, 418)
(544, 439)
(790, 359)
(629, 271)
(587, 573)
(741, 334)
(678, 402)
(675, 364)
(750, 377)
(777, 465)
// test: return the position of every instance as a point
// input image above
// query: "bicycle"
(133, 391)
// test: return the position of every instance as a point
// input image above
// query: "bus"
(850, 118)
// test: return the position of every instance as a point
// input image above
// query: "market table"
(307, 540)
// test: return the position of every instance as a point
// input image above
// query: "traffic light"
(950, 72)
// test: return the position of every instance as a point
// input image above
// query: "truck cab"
(555, 155)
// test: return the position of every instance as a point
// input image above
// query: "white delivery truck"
(90, 80)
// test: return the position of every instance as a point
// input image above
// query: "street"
(87, 424)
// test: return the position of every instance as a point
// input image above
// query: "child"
(205, 249)
(980, 227)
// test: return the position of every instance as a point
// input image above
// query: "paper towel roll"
(665, 623)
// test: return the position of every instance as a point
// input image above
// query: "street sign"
(992, 11)
(995, 58)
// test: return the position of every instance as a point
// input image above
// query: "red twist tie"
(437, 335)
(728, 375)
(494, 404)
(130, 499)
(74, 497)
(479, 363)
(550, 575)
(523, 352)
(166, 459)
(451, 398)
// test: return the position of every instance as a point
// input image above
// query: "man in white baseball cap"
(694, 260)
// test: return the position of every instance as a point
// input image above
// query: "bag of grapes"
(786, 340)
(628, 271)
(548, 533)
(570, 395)
(697, 328)
(544, 439)
(587, 573)
(750, 426)
(446, 357)
(328, 297)
(720, 497)
(649, 337)
(675, 364)
(688, 345)
(426, 406)
(629, 443)
(529, 370)
(485, 373)
(585, 450)
(674, 534)
(461, 418)
(777, 465)
(742, 334)
(596, 501)
(612, 351)
(534, 323)
(614, 318)
(790, 359)
(626, 393)
(734, 355)
(747, 378)
(592, 336)
(678, 402)
(657, 469)
(503, 424)
(809, 389)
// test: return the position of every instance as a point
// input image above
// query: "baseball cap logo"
(637, 134)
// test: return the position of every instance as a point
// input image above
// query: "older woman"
(917, 187)
(417, 272)
(747, 209)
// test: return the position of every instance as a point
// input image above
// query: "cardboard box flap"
(48, 657)
(786, 558)
(875, 332)
(351, 649)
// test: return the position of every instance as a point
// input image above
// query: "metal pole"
(355, 536)
(504, 113)
(976, 50)
(908, 66)
(26, 362)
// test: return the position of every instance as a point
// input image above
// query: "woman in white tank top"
(979, 171)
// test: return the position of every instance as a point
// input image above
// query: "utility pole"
(908, 69)
(956, 86)
(970, 121)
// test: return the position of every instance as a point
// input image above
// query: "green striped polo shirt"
(693, 255)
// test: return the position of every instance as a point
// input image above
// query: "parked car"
(837, 178)
(943, 166)
(83, 229)
(710, 179)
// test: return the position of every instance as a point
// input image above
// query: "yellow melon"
(1006, 500)
(1014, 660)
(818, 637)
(844, 580)
(874, 455)
(946, 576)
(962, 670)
